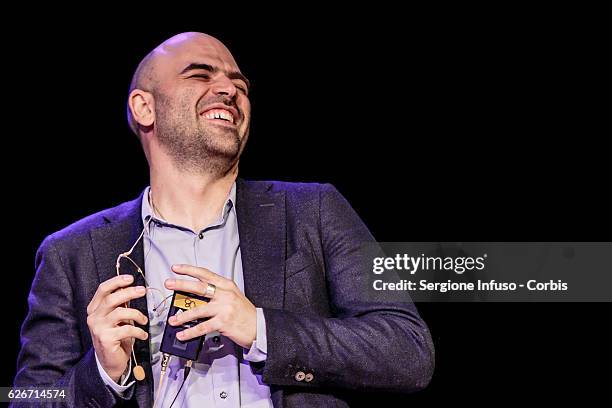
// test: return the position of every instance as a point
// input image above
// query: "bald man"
(287, 324)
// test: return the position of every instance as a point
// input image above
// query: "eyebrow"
(212, 69)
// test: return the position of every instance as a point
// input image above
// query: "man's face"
(201, 104)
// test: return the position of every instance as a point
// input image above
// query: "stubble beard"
(195, 146)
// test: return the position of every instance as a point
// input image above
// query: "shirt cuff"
(118, 388)
(259, 349)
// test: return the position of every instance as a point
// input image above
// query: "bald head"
(159, 63)
(189, 105)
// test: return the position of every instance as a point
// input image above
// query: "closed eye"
(243, 88)
(203, 76)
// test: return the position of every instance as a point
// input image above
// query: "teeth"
(220, 114)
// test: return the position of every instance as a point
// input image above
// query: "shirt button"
(309, 377)
(216, 339)
(299, 376)
(201, 235)
(223, 394)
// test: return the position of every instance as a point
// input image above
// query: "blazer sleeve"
(51, 351)
(369, 345)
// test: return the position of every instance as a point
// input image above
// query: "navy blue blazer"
(299, 245)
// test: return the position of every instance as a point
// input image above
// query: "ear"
(142, 106)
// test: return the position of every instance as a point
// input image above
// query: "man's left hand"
(229, 311)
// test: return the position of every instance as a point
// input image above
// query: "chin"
(227, 148)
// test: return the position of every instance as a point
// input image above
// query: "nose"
(224, 86)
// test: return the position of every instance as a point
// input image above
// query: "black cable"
(185, 374)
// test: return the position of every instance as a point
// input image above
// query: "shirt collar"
(147, 212)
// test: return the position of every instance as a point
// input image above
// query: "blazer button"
(309, 377)
(299, 376)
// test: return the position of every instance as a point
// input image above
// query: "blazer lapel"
(262, 232)
(123, 228)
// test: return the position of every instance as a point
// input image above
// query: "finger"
(196, 287)
(125, 314)
(199, 329)
(119, 298)
(198, 312)
(107, 287)
(128, 331)
(203, 275)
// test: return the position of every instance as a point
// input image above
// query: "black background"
(448, 125)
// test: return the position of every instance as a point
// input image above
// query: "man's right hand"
(111, 323)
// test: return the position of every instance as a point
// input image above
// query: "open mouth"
(221, 116)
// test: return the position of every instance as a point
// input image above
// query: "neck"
(189, 199)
